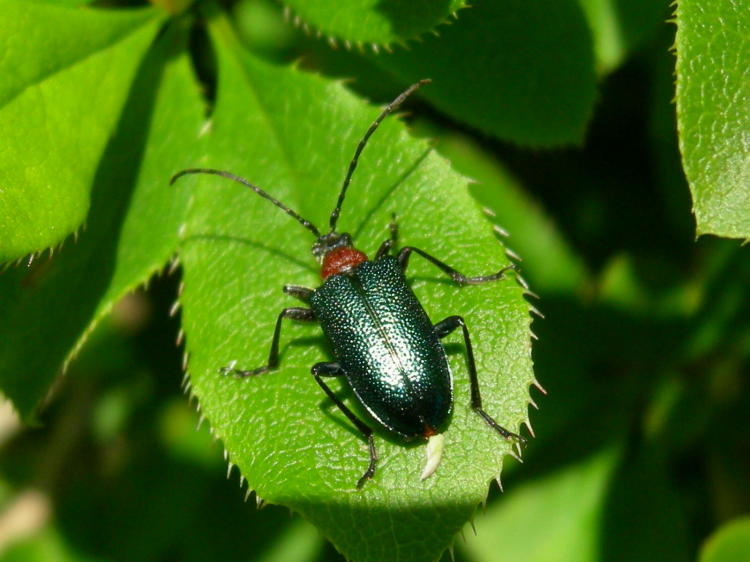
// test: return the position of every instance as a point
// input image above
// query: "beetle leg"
(393, 227)
(334, 370)
(446, 327)
(295, 313)
(385, 247)
(302, 293)
(459, 278)
(384, 250)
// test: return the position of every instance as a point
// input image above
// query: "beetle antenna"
(304, 222)
(353, 164)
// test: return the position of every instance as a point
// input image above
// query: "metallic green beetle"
(384, 343)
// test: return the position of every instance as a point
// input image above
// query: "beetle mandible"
(385, 345)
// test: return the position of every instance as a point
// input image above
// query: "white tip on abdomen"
(435, 445)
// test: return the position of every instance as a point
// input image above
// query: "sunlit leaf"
(65, 73)
(294, 134)
(713, 112)
(131, 232)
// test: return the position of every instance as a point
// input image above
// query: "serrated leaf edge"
(260, 502)
(294, 19)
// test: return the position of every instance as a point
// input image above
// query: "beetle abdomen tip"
(434, 451)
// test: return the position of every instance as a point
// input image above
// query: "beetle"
(384, 344)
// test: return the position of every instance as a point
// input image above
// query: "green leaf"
(629, 512)
(550, 263)
(65, 75)
(172, 6)
(372, 21)
(294, 134)
(59, 2)
(557, 517)
(730, 543)
(587, 511)
(298, 541)
(49, 310)
(47, 544)
(516, 70)
(713, 112)
(618, 28)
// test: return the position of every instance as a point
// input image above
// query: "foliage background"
(567, 119)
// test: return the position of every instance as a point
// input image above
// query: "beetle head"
(328, 242)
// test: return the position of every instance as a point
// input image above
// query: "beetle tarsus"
(370, 472)
(463, 280)
(295, 313)
(508, 435)
(457, 277)
(241, 373)
(333, 369)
